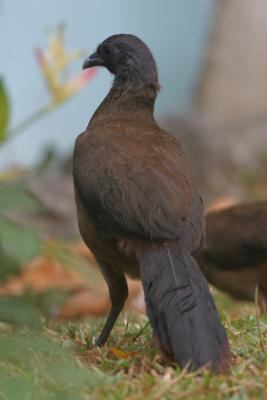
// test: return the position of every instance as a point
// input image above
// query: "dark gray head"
(125, 56)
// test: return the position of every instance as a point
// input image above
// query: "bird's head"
(125, 56)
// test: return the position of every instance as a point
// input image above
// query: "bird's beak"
(92, 61)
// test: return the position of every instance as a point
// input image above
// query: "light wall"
(176, 31)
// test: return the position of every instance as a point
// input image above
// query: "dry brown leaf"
(80, 249)
(82, 303)
(41, 274)
(44, 273)
(95, 301)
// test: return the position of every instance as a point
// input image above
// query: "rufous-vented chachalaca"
(140, 213)
(235, 257)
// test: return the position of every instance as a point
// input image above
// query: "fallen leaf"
(90, 297)
(41, 274)
(121, 354)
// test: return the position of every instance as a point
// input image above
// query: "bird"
(140, 213)
(235, 257)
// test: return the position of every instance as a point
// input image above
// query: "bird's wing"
(139, 187)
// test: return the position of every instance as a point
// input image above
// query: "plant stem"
(27, 122)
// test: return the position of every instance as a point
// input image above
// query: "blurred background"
(177, 49)
(212, 63)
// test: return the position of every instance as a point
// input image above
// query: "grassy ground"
(59, 362)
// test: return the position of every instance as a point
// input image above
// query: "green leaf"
(22, 243)
(4, 111)
(8, 266)
(42, 369)
(16, 197)
(16, 311)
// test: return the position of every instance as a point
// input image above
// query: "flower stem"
(27, 122)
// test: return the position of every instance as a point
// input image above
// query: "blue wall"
(175, 30)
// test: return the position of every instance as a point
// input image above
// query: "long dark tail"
(181, 310)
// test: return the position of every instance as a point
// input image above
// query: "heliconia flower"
(81, 79)
(40, 56)
(54, 63)
(70, 88)
(51, 79)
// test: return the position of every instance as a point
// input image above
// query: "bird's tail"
(181, 310)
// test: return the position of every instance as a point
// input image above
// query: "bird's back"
(237, 236)
(136, 175)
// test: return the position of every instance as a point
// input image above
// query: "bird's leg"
(118, 291)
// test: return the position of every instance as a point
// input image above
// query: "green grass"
(59, 362)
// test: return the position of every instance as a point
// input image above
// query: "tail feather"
(181, 309)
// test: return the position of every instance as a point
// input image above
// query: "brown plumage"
(235, 258)
(140, 213)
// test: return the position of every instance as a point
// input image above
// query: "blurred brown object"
(85, 303)
(41, 274)
(88, 297)
(221, 203)
(97, 302)
(235, 258)
(80, 249)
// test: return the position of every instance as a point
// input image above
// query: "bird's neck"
(128, 98)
